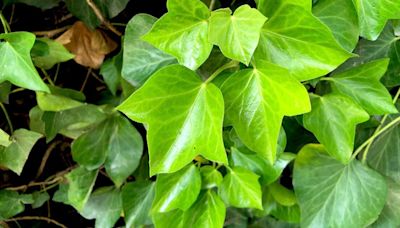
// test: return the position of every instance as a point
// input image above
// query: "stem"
(6, 27)
(231, 64)
(49, 220)
(7, 117)
(212, 4)
(101, 18)
(86, 79)
(47, 77)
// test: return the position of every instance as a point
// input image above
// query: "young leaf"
(362, 85)
(169, 219)
(282, 195)
(333, 125)
(373, 15)
(15, 61)
(140, 58)
(176, 106)
(81, 182)
(4, 139)
(268, 7)
(15, 155)
(240, 188)
(183, 32)
(10, 204)
(319, 183)
(57, 53)
(237, 35)
(256, 101)
(136, 200)
(177, 190)
(306, 48)
(210, 177)
(104, 205)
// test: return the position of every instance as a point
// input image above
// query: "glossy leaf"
(57, 53)
(183, 32)
(104, 205)
(282, 195)
(4, 138)
(177, 190)
(55, 102)
(81, 182)
(256, 101)
(240, 188)
(373, 15)
(319, 181)
(169, 219)
(267, 7)
(341, 17)
(176, 105)
(333, 125)
(236, 35)
(15, 61)
(306, 48)
(15, 155)
(136, 200)
(111, 72)
(210, 177)
(140, 58)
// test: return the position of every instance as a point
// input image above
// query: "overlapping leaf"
(4, 139)
(57, 53)
(81, 182)
(268, 7)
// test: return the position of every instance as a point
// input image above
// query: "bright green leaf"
(15, 155)
(140, 58)
(333, 121)
(282, 195)
(4, 139)
(331, 194)
(236, 35)
(183, 32)
(176, 105)
(177, 190)
(240, 188)
(169, 219)
(57, 53)
(81, 182)
(267, 7)
(54, 102)
(15, 61)
(10, 204)
(210, 177)
(256, 101)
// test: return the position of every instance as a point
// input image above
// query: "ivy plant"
(262, 114)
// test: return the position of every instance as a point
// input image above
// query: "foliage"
(280, 113)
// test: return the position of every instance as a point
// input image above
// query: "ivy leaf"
(104, 205)
(4, 139)
(140, 58)
(177, 190)
(114, 142)
(362, 85)
(15, 61)
(81, 182)
(15, 155)
(267, 7)
(282, 195)
(136, 200)
(176, 104)
(5, 89)
(236, 35)
(111, 72)
(10, 204)
(169, 219)
(39, 198)
(306, 48)
(183, 32)
(240, 188)
(333, 125)
(57, 53)
(256, 101)
(373, 15)
(341, 17)
(318, 182)
(210, 177)
(55, 102)
(390, 215)
(208, 211)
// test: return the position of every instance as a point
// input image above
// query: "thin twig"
(52, 33)
(25, 218)
(212, 4)
(86, 79)
(7, 117)
(33, 184)
(47, 76)
(46, 157)
(97, 77)
(102, 19)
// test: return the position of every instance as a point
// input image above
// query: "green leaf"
(111, 72)
(104, 205)
(15, 155)
(210, 177)
(5, 89)
(4, 139)
(282, 195)
(140, 58)
(268, 7)
(373, 15)
(237, 35)
(114, 142)
(81, 182)
(260, 166)
(175, 104)
(42, 4)
(183, 32)
(177, 190)
(136, 200)
(240, 188)
(208, 211)
(10, 204)
(331, 194)
(16, 63)
(256, 101)
(39, 199)
(333, 125)
(390, 215)
(57, 53)
(362, 85)
(55, 102)
(341, 17)
(306, 48)
(169, 219)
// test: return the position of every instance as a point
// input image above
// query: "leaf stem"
(231, 64)
(35, 218)
(6, 26)
(47, 76)
(7, 117)
(212, 4)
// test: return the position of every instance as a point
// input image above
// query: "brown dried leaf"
(88, 46)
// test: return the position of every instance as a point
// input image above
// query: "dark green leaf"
(81, 182)
(390, 215)
(5, 89)
(111, 72)
(39, 199)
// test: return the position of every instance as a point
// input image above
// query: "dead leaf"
(88, 46)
